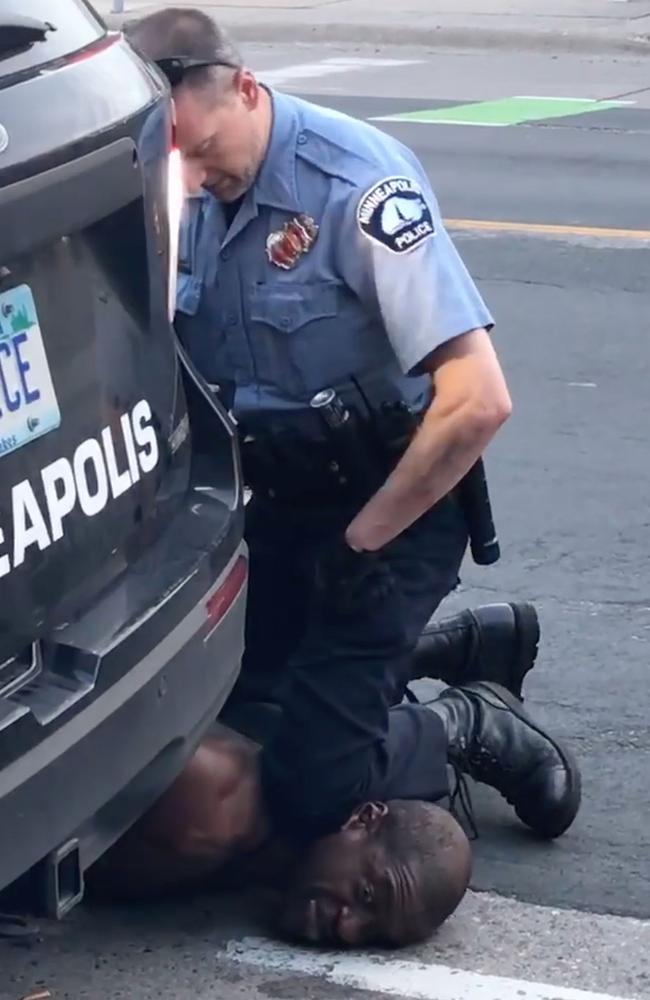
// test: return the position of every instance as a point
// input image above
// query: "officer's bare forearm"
(445, 448)
(471, 401)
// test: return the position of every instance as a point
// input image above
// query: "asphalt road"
(570, 481)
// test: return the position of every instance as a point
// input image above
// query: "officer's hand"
(349, 582)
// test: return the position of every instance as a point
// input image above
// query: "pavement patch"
(395, 977)
(508, 111)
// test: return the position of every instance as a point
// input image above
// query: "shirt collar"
(276, 181)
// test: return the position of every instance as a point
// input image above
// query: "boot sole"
(527, 624)
(565, 818)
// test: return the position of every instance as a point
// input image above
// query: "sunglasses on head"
(176, 68)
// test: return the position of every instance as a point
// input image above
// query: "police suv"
(122, 567)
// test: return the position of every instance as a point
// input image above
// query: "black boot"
(495, 642)
(494, 741)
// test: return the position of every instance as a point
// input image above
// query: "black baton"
(474, 498)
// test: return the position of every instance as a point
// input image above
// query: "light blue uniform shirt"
(380, 287)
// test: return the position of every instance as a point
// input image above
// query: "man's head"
(223, 116)
(390, 877)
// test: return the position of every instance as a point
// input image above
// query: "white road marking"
(326, 67)
(586, 100)
(395, 977)
(445, 121)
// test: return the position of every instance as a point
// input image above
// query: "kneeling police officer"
(319, 289)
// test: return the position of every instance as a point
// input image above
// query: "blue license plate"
(28, 403)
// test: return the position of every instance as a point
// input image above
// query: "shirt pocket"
(290, 324)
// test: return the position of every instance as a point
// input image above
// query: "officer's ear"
(249, 88)
(367, 817)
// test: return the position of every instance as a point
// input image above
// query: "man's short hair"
(431, 843)
(184, 32)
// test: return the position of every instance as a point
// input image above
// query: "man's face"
(348, 891)
(220, 136)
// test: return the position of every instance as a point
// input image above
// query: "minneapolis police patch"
(395, 214)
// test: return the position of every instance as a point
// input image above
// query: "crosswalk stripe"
(395, 977)
(283, 75)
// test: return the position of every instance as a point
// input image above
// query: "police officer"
(313, 257)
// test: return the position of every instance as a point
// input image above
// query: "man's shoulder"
(353, 150)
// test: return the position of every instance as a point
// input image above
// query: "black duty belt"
(298, 473)
(350, 462)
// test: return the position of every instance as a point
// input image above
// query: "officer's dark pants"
(341, 741)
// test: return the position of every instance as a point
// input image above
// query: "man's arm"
(210, 816)
(471, 402)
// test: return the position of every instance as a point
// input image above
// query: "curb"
(374, 34)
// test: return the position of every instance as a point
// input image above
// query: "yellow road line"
(544, 229)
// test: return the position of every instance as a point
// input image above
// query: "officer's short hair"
(185, 32)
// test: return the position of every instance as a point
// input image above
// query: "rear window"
(76, 27)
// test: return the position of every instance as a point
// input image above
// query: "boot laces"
(486, 768)
(461, 800)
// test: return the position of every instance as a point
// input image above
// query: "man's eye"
(366, 893)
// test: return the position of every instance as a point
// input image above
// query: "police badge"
(284, 247)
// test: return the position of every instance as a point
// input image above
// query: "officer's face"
(221, 136)
(348, 891)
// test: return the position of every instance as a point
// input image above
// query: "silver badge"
(4, 139)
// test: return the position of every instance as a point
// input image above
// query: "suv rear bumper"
(92, 776)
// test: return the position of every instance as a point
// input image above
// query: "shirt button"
(225, 254)
(232, 319)
(285, 322)
(302, 138)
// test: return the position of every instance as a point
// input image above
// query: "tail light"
(222, 600)
(93, 49)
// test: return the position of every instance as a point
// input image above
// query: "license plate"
(28, 403)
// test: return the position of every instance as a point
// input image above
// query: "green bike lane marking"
(508, 111)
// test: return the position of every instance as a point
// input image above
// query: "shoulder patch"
(394, 213)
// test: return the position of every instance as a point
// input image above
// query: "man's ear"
(368, 817)
(249, 88)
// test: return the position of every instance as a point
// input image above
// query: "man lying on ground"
(391, 874)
